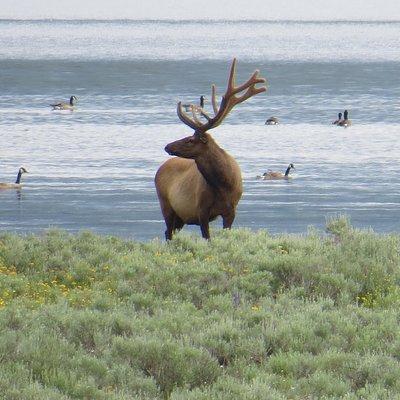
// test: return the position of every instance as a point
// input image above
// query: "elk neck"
(214, 165)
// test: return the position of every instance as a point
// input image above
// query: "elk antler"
(229, 100)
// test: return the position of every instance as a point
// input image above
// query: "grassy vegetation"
(246, 316)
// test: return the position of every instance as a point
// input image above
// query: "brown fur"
(199, 189)
(204, 181)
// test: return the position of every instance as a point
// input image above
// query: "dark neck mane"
(287, 171)
(215, 167)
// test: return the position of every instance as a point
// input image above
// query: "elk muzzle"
(169, 150)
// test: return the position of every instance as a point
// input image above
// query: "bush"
(247, 315)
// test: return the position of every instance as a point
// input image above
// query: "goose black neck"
(346, 114)
(18, 177)
(287, 170)
(71, 101)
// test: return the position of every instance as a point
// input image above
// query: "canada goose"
(345, 122)
(17, 183)
(269, 175)
(272, 121)
(338, 120)
(65, 106)
(188, 107)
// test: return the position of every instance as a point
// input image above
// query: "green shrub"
(247, 315)
(169, 363)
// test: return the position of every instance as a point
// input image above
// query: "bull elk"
(203, 181)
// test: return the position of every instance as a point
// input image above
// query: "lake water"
(94, 168)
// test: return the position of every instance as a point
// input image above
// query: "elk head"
(189, 147)
(201, 121)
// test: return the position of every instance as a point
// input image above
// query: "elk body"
(203, 181)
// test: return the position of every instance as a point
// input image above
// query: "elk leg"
(168, 232)
(178, 223)
(205, 231)
(169, 218)
(205, 226)
(227, 220)
(173, 223)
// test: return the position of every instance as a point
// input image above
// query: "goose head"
(22, 170)
(72, 100)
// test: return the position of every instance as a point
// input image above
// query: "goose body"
(345, 122)
(273, 175)
(188, 107)
(338, 120)
(65, 106)
(17, 184)
(272, 121)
